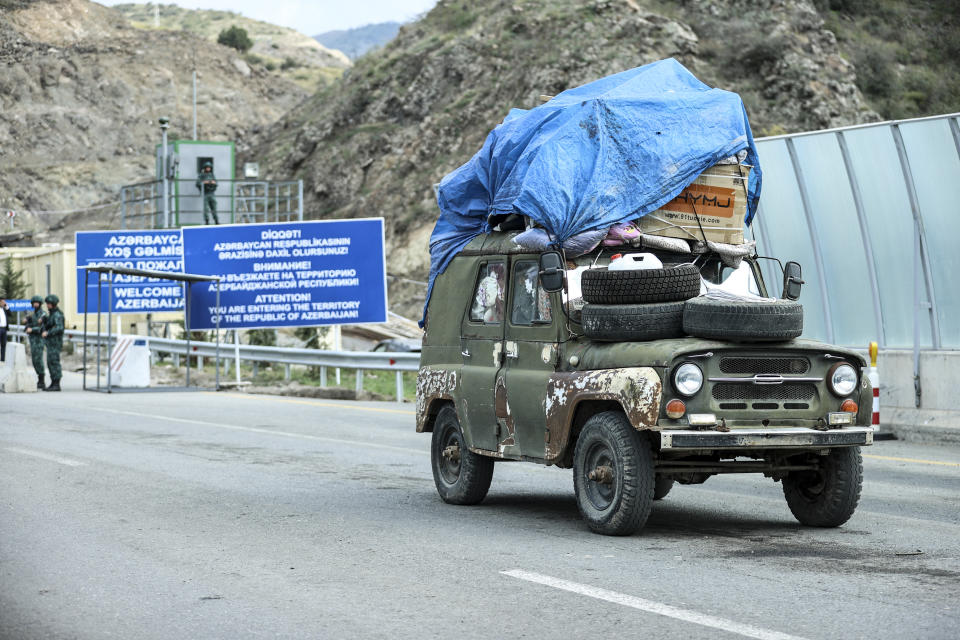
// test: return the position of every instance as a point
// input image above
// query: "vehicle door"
(531, 350)
(481, 346)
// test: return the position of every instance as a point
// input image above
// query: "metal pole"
(194, 104)
(400, 386)
(300, 200)
(86, 285)
(917, 389)
(931, 302)
(218, 336)
(359, 381)
(110, 334)
(186, 325)
(99, 335)
(865, 236)
(236, 353)
(166, 186)
(814, 238)
(123, 208)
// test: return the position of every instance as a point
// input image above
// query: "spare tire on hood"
(677, 282)
(762, 321)
(633, 322)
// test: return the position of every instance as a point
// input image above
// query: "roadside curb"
(923, 425)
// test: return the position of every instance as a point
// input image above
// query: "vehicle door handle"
(512, 350)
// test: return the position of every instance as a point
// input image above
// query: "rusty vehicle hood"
(660, 353)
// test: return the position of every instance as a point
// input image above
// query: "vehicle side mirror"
(551, 271)
(792, 280)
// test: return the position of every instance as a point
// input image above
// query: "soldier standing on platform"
(53, 340)
(34, 324)
(207, 184)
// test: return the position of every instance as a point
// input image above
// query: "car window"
(531, 304)
(487, 305)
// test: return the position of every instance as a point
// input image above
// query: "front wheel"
(828, 496)
(461, 476)
(662, 487)
(613, 475)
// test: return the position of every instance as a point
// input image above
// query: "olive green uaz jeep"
(507, 373)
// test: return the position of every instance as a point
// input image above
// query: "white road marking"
(272, 432)
(650, 606)
(47, 456)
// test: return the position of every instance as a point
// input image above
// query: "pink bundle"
(623, 233)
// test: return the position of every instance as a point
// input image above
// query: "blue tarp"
(610, 151)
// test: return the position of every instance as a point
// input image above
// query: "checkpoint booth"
(129, 356)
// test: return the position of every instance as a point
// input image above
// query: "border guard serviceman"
(207, 184)
(34, 324)
(53, 340)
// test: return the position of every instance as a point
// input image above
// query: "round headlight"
(688, 379)
(843, 379)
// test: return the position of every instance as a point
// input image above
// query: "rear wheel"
(613, 475)
(461, 476)
(828, 496)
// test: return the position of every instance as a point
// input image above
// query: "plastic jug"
(632, 261)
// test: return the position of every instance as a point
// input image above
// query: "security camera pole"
(164, 123)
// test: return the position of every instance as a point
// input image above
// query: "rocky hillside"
(906, 53)
(285, 52)
(80, 94)
(412, 111)
(357, 41)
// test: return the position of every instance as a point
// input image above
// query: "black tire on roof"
(633, 322)
(678, 282)
(745, 321)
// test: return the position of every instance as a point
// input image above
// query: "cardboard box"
(718, 197)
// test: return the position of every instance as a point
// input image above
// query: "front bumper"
(786, 438)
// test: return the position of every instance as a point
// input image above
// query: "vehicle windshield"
(740, 280)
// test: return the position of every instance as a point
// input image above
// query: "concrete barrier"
(16, 373)
(937, 419)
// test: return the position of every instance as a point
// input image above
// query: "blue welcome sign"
(287, 274)
(140, 249)
(19, 306)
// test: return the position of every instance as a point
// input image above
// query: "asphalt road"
(202, 515)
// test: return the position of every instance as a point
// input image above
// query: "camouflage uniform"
(34, 322)
(53, 326)
(208, 193)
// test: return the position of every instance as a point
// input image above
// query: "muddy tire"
(679, 282)
(828, 497)
(662, 487)
(633, 322)
(613, 475)
(461, 476)
(743, 321)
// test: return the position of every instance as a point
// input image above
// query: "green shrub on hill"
(235, 37)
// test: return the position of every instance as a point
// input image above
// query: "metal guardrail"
(238, 201)
(359, 360)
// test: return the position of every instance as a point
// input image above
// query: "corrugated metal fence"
(872, 212)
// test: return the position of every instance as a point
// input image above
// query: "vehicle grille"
(764, 364)
(749, 391)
